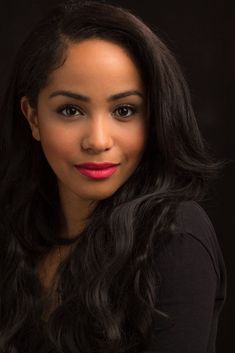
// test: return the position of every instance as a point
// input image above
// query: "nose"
(97, 137)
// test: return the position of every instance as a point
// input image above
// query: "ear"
(31, 115)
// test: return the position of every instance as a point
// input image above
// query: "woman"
(103, 247)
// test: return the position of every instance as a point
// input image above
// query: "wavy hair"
(110, 281)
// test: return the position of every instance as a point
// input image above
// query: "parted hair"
(110, 282)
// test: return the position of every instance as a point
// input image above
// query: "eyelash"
(70, 117)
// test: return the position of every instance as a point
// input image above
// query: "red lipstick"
(97, 170)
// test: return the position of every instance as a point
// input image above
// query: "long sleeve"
(192, 287)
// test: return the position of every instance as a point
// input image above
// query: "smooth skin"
(85, 114)
(73, 131)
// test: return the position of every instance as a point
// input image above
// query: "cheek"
(56, 144)
(135, 141)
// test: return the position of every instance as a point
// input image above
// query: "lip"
(100, 173)
(96, 166)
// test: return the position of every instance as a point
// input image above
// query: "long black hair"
(109, 283)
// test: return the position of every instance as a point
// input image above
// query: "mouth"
(94, 172)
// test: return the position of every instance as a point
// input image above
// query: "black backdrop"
(202, 36)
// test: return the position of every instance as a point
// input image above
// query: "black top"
(193, 286)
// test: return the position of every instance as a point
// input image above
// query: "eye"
(124, 111)
(69, 110)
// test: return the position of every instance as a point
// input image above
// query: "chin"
(97, 196)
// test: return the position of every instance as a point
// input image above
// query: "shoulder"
(191, 279)
(191, 218)
(193, 222)
(191, 282)
(193, 246)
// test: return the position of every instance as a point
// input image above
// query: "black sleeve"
(189, 281)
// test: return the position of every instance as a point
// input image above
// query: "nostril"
(97, 142)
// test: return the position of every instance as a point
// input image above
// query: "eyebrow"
(83, 98)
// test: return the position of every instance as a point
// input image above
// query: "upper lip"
(97, 165)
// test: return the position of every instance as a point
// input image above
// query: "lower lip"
(97, 173)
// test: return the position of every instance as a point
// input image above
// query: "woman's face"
(93, 110)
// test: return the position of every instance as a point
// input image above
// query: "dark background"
(202, 36)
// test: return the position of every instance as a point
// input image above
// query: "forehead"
(97, 62)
